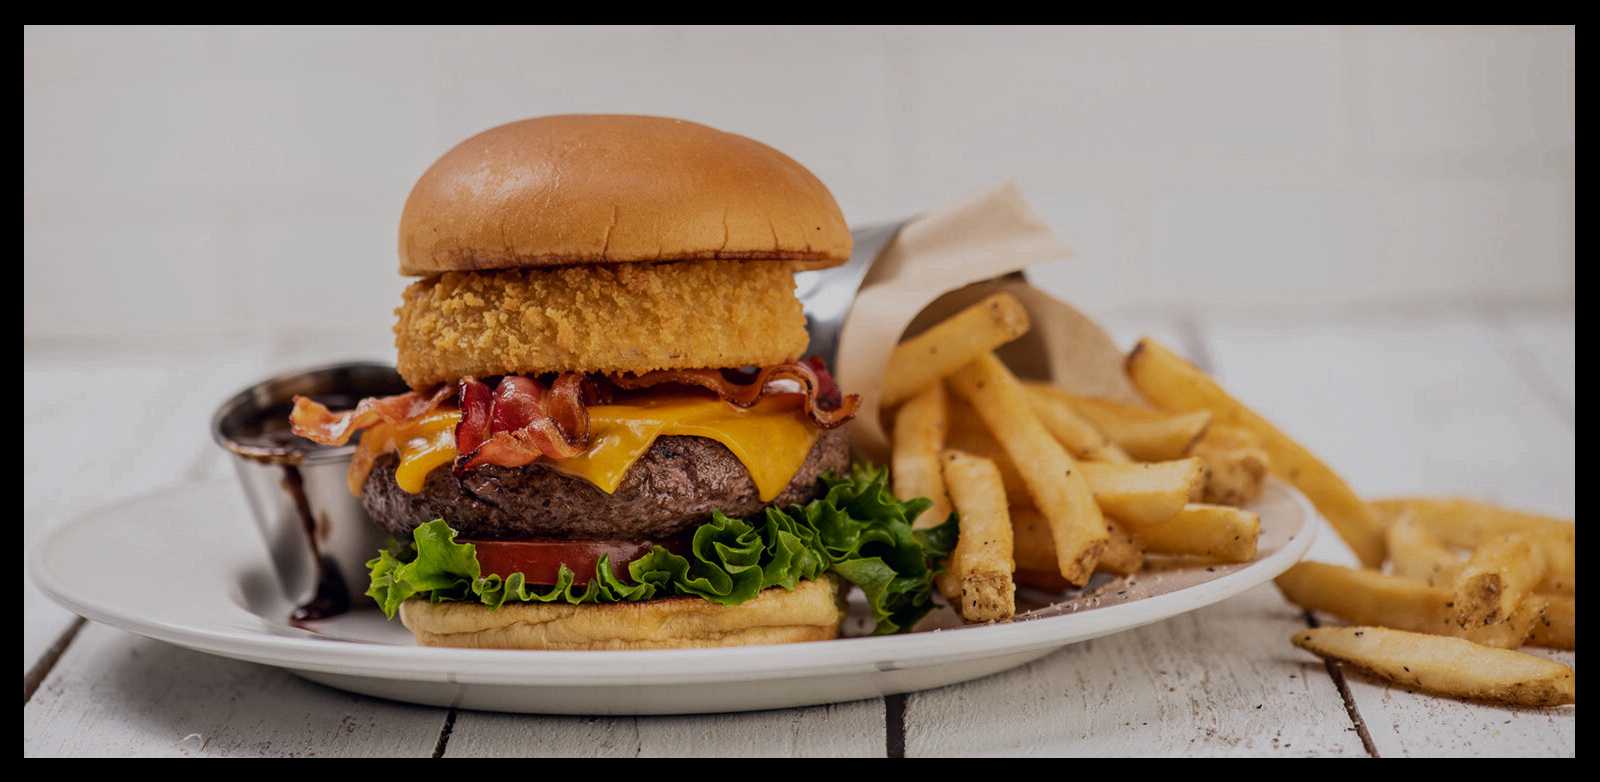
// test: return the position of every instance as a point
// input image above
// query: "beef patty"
(672, 488)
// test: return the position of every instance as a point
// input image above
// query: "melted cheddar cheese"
(423, 444)
(771, 439)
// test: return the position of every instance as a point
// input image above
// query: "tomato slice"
(540, 561)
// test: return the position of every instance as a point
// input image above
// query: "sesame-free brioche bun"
(812, 612)
(584, 189)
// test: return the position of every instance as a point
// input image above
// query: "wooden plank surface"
(854, 729)
(1220, 681)
(114, 694)
(1449, 403)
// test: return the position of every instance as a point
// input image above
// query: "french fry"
(1511, 632)
(1035, 550)
(1142, 493)
(1136, 492)
(1495, 579)
(1145, 434)
(968, 433)
(920, 361)
(1217, 533)
(1124, 554)
(1368, 597)
(919, 437)
(1236, 464)
(1175, 384)
(1032, 546)
(1080, 437)
(1055, 484)
(1558, 628)
(1444, 666)
(1466, 523)
(1559, 553)
(1416, 554)
(982, 561)
(1560, 560)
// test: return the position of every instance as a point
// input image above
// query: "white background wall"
(179, 182)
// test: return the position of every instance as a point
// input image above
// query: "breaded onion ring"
(610, 319)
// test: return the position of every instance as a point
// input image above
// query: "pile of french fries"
(1447, 586)
(1464, 583)
(1050, 487)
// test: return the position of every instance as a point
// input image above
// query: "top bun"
(611, 188)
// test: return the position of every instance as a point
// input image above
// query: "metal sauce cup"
(319, 536)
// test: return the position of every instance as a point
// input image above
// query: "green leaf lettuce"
(857, 530)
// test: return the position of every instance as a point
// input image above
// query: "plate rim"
(845, 656)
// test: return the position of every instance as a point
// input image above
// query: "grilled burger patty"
(672, 488)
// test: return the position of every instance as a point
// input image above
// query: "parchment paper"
(946, 260)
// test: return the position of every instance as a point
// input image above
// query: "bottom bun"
(812, 612)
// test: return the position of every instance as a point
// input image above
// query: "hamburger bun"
(586, 189)
(812, 612)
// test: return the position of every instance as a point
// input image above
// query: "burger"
(614, 439)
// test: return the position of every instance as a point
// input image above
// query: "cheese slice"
(771, 439)
(422, 443)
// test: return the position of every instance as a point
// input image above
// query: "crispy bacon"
(314, 421)
(827, 391)
(810, 379)
(520, 421)
(476, 400)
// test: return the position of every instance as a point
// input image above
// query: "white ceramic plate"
(188, 567)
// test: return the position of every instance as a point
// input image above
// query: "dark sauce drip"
(268, 437)
(332, 596)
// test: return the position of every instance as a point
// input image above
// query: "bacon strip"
(314, 421)
(520, 421)
(476, 400)
(809, 378)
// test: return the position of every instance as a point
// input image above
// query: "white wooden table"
(1473, 400)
